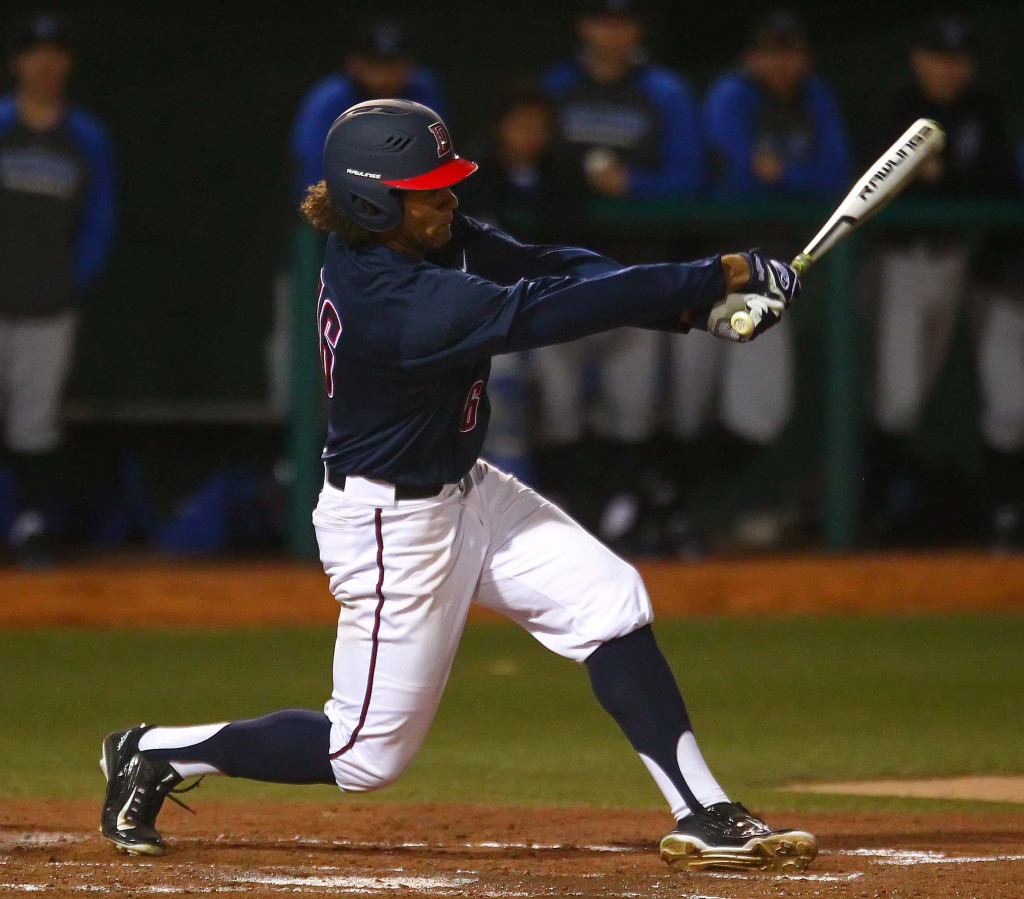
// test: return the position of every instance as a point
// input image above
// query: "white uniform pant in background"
(1001, 374)
(918, 296)
(627, 363)
(35, 358)
(405, 573)
(751, 384)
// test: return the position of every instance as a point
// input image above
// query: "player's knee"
(355, 775)
(632, 606)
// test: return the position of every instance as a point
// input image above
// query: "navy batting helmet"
(379, 147)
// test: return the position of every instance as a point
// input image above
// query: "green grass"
(772, 700)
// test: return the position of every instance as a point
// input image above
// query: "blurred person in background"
(998, 275)
(772, 128)
(632, 128)
(378, 63)
(923, 274)
(57, 222)
(524, 187)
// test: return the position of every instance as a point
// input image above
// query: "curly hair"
(320, 211)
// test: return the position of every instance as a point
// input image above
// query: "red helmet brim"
(451, 172)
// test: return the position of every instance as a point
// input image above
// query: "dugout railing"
(834, 280)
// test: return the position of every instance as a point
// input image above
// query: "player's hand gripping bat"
(874, 190)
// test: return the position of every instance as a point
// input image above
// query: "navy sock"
(291, 747)
(635, 685)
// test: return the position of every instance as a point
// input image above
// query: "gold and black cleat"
(726, 837)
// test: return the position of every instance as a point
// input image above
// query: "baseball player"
(632, 127)
(923, 275)
(998, 270)
(413, 527)
(57, 222)
(772, 128)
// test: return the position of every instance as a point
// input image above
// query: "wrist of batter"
(737, 271)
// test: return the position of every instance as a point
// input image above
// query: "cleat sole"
(788, 852)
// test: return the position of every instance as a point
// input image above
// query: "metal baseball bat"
(872, 192)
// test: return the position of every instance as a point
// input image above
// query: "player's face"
(781, 70)
(943, 76)
(381, 77)
(427, 225)
(42, 69)
(525, 133)
(611, 37)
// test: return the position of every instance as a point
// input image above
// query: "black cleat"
(136, 788)
(725, 836)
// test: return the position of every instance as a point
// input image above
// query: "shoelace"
(188, 789)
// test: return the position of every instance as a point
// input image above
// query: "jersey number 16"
(329, 325)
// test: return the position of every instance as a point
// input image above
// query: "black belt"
(402, 491)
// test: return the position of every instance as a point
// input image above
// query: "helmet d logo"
(444, 142)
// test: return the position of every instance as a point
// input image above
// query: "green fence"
(835, 276)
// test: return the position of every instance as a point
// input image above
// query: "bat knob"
(742, 323)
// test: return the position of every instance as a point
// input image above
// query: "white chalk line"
(377, 846)
(339, 883)
(38, 839)
(352, 883)
(821, 878)
(910, 857)
(326, 880)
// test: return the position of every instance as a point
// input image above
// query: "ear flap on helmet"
(379, 214)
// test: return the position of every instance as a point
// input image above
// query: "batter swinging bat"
(875, 189)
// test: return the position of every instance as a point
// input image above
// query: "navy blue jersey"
(649, 119)
(809, 134)
(977, 159)
(57, 210)
(406, 344)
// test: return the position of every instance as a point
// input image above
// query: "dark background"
(200, 97)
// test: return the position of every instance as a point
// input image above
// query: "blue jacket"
(327, 100)
(677, 166)
(59, 187)
(731, 111)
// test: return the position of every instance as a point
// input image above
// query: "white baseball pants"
(1001, 374)
(405, 573)
(917, 302)
(748, 385)
(626, 360)
(35, 359)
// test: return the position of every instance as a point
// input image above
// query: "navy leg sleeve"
(634, 684)
(291, 747)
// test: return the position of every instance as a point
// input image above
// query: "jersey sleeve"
(558, 79)
(448, 317)
(830, 166)
(425, 87)
(497, 256)
(317, 112)
(97, 221)
(680, 169)
(728, 133)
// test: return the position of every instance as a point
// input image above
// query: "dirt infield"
(174, 593)
(264, 849)
(367, 849)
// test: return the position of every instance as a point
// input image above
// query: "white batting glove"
(766, 311)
